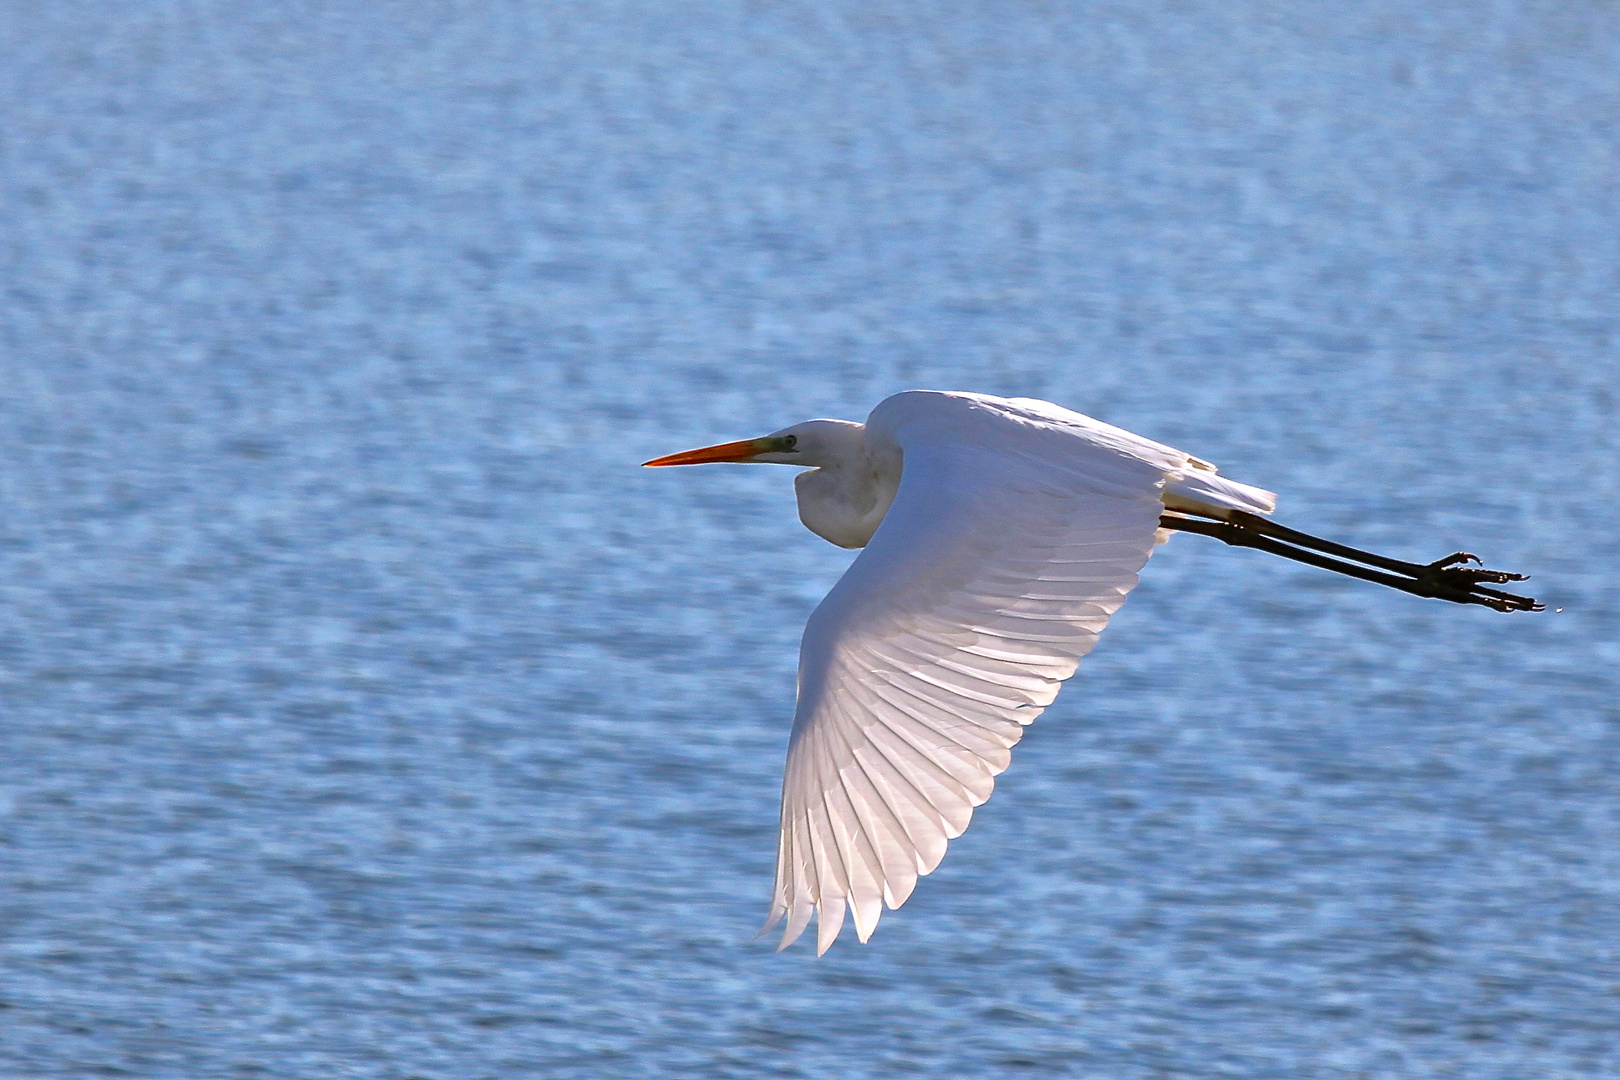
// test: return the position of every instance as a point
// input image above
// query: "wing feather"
(992, 574)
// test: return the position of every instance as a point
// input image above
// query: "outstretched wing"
(1013, 537)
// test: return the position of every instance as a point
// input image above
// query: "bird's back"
(1067, 446)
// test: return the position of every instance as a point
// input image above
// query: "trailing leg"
(1450, 578)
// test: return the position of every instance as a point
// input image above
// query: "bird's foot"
(1452, 578)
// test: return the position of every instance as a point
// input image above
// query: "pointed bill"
(745, 450)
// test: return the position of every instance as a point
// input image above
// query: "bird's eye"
(788, 443)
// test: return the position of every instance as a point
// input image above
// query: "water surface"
(369, 714)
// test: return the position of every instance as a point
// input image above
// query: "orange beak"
(731, 451)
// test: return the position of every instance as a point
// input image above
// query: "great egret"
(1000, 535)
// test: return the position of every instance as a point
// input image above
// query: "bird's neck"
(844, 500)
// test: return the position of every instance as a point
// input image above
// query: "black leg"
(1450, 578)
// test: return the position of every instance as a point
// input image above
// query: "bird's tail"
(1201, 490)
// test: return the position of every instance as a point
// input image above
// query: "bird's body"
(855, 469)
(999, 536)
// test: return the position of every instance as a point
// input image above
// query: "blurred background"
(368, 713)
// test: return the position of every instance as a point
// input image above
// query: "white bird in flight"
(1000, 535)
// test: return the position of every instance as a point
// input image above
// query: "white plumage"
(1016, 532)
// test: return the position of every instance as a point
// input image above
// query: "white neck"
(844, 496)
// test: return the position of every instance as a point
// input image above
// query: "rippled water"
(368, 713)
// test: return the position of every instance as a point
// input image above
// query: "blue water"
(367, 713)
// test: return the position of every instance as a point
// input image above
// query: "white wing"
(1016, 533)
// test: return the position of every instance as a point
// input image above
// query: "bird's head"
(812, 444)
